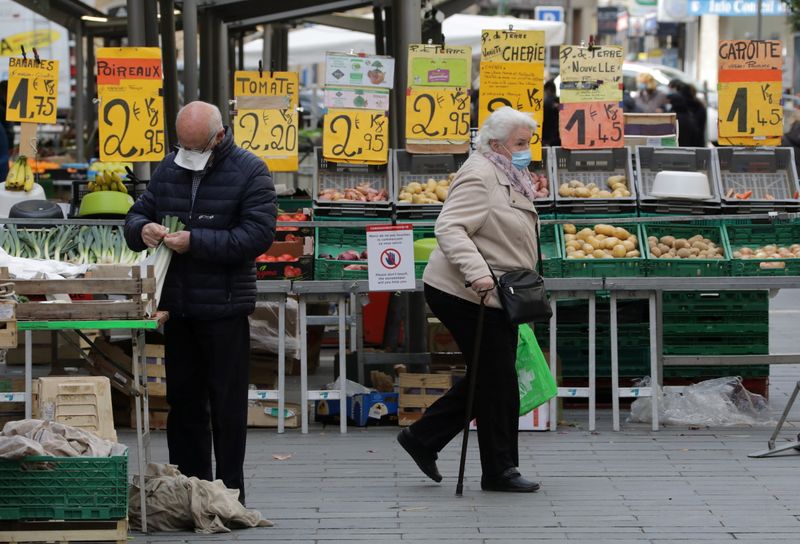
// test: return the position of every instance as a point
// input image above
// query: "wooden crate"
(64, 531)
(418, 392)
(138, 291)
(79, 401)
(8, 324)
(156, 370)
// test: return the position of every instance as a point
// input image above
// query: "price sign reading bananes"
(588, 125)
(131, 114)
(750, 88)
(437, 114)
(357, 136)
(266, 122)
(32, 90)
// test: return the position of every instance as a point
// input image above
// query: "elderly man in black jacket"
(225, 197)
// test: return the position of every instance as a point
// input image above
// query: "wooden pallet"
(64, 531)
(133, 307)
(417, 393)
(8, 324)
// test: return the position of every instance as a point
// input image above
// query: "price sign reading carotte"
(512, 46)
(750, 87)
(437, 114)
(516, 85)
(32, 90)
(356, 136)
(591, 74)
(131, 110)
(438, 66)
(591, 125)
(266, 117)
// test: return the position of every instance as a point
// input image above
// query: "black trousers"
(496, 404)
(207, 381)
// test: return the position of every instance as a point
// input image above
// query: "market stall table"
(275, 291)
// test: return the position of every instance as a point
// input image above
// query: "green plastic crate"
(688, 303)
(685, 267)
(604, 268)
(755, 236)
(64, 488)
(722, 329)
(329, 269)
(552, 258)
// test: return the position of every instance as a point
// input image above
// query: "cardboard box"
(301, 267)
(361, 409)
(79, 401)
(537, 420)
(651, 129)
(264, 413)
(439, 338)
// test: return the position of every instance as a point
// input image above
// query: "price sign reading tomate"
(266, 122)
(750, 87)
(32, 90)
(131, 110)
(437, 114)
(591, 125)
(357, 136)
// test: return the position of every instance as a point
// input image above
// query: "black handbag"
(522, 293)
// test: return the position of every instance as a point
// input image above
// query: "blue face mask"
(521, 159)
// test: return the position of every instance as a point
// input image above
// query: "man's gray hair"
(499, 126)
(214, 115)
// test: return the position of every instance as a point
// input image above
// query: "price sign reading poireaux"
(750, 88)
(32, 90)
(266, 122)
(357, 136)
(437, 114)
(131, 110)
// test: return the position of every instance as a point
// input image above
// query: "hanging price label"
(356, 136)
(512, 46)
(438, 66)
(437, 114)
(750, 109)
(267, 120)
(131, 113)
(591, 125)
(32, 90)
(591, 75)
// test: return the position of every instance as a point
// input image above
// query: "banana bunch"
(20, 176)
(108, 180)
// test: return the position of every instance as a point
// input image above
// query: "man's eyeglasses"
(205, 147)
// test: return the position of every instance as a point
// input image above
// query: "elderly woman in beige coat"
(487, 220)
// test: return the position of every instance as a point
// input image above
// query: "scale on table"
(772, 450)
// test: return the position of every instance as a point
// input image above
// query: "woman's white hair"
(499, 126)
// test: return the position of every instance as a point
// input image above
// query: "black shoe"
(424, 459)
(511, 481)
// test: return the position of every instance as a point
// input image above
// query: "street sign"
(549, 13)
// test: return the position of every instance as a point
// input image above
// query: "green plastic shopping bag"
(536, 384)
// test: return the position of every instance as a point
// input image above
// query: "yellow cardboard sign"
(356, 136)
(750, 109)
(131, 110)
(746, 141)
(269, 133)
(591, 75)
(517, 85)
(433, 65)
(439, 114)
(512, 46)
(32, 90)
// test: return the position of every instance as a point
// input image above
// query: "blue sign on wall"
(736, 7)
(549, 13)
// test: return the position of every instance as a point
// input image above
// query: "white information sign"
(391, 257)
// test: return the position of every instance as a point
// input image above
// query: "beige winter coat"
(482, 209)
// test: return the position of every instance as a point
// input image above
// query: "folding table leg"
(614, 361)
(655, 355)
(342, 365)
(553, 361)
(301, 306)
(281, 363)
(592, 361)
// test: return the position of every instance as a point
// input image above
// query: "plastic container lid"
(423, 249)
(684, 185)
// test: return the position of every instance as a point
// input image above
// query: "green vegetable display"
(69, 243)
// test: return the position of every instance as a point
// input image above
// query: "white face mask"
(192, 160)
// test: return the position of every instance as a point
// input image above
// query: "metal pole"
(168, 47)
(136, 37)
(266, 46)
(758, 19)
(207, 67)
(409, 30)
(190, 77)
(150, 23)
(80, 96)
(240, 51)
(90, 121)
(222, 71)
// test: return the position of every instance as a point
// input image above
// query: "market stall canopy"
(308, 45)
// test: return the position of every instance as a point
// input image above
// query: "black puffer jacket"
(232, 222)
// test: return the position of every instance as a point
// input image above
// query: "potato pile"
(617, 188)
(771, 251)
(696, 247)
(600, 242)
(431, 192)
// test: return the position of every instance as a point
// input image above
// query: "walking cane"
(473, 379)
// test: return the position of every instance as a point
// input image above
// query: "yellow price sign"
(32, 90)
(750, 109)
(438, 114)
(131, 114)
(591, 74)
(267, 120)
(269, 134)
(356, 136)
(512, 46)
(517, 85)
